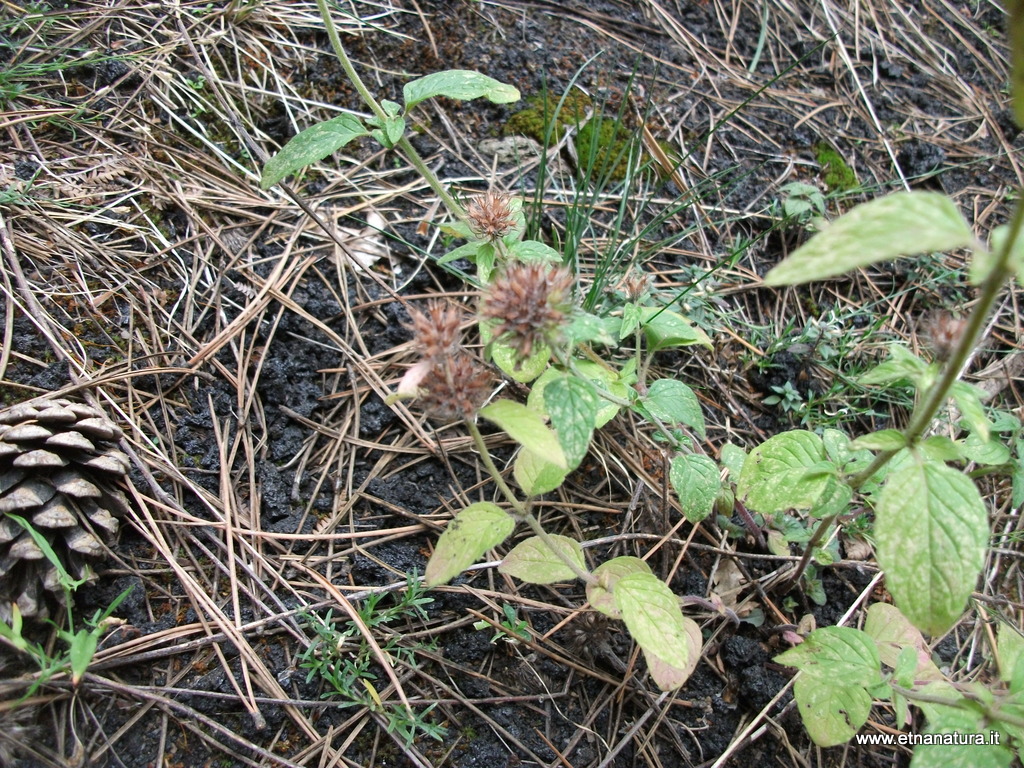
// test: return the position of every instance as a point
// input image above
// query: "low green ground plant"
(582, 366)
(342, 659)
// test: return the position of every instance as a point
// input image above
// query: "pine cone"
(60, 471)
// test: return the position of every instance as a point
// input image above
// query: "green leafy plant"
(341, 657)
(787, 397)
(802, 201)
(533, 332)
(511, 628)
(931, 524)
(584, 363)
(74, 659)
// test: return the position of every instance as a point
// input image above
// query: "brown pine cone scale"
(61, 472)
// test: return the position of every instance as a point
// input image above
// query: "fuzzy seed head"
(436, 331)
(944, 331)
(636, 285)
(455, 388)
(490, 216)
(528, 304)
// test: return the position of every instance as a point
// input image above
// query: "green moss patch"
(835, 172)
(602, 143)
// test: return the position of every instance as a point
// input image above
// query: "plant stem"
(492, 470)
(364, 93)
(520, 509)
(431, 178)
(939, 392)
(937, 395)
(993, 714)
(819, 533)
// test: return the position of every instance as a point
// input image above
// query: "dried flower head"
(455, 388)
(944, 331)
(636, 285)
(528, 303)
(491, 216)
(436, 331)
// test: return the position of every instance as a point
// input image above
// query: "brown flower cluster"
(448, 382)
(528, 303)
(436, 331)
(490, 216)
(944, 331)
(455, 388)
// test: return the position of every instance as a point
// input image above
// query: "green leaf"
(902, 365)
(632, 314)
(572, 404)
(458, 84)
(81, 651)
(485, 257)
(387, 132)
(841, 655)
(696, 481)
(473, 531)
(885, 440)
(778, 544)
(832, 714)
(941, 448)
(507, 359)
(841, 454)
(675, 403)
(467, 251)
(964, 722)
(604, 378)
(652, 616)
(989, 452)
(12, 632)
(905, 666)
(608, 575)
(893, 634)
(665, 328)
(458, 229)
(1010, 651)
(968, 400)
(512, 237)
(532, 561)
(839, 666)
(732, 457)
(668, 677)
(536, 475)
(587, 328)
(903, 676)
(984, 261)
(931, 529)
(784, 473)
(1017, 494)
(900, 224)
(533, 250)
(526, 427)
(311, 145)
(834, 500)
